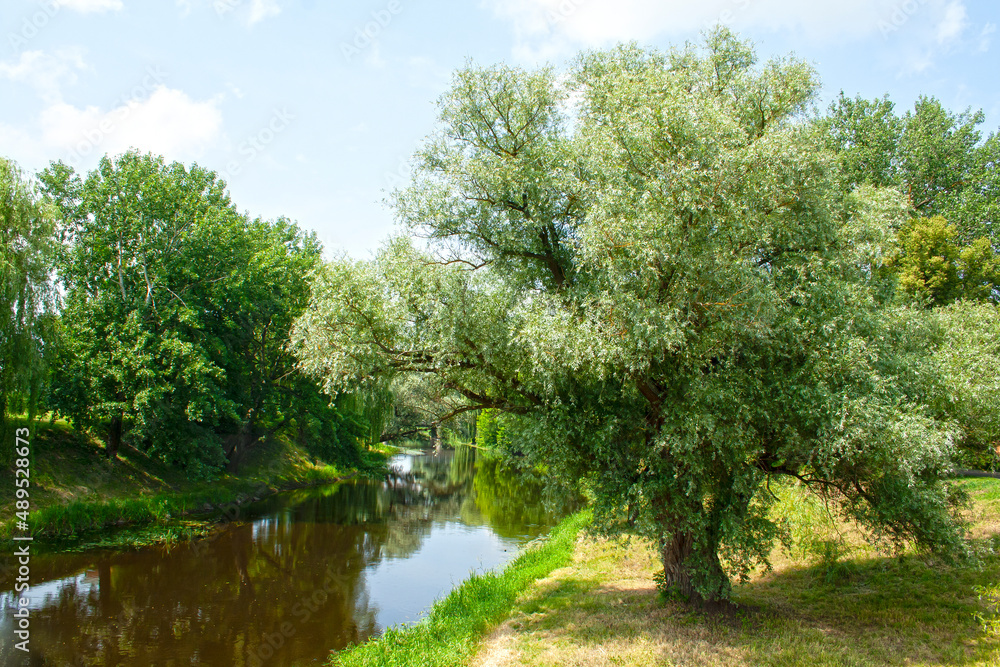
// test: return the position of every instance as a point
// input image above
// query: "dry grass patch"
(843, 606)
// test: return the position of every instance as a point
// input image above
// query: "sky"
(311, 110)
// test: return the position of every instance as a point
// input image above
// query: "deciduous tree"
(649, 267)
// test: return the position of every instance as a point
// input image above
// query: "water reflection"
(307, 572)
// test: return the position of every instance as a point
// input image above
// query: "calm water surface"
(295, 576)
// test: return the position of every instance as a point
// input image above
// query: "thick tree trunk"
(114, 437)
(677, 551)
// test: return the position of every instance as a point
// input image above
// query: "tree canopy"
(651, 272)
(176, 318)
(27, 294)
(937, 158)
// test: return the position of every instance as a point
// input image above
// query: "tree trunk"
(675, 550)
(114, 437)
(241, 444)
(678, 553)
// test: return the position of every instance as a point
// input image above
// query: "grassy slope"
(75, 488)
(830, 601)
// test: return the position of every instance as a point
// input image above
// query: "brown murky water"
(296, 576)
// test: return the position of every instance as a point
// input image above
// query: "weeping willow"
(27, 252)
(373, 405)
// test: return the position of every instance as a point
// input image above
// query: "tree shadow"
(872, 611)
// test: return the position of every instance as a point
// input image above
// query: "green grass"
(77, 492)
(830, 600)
(450, 632)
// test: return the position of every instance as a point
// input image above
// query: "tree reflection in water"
(282, 588)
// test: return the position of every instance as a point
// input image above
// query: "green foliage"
(936, 158)
(965, 369)
(27, 295)
(989, 617)
(948, 359)
(928, 266)
(933, 268)
(490, 432)
(177, 316)
(647, 265)
(866, 134)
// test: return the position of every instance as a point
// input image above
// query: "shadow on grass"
(875, 611)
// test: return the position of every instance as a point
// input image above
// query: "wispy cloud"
(985, 36)
(45, 72)
(952, 24)
(544, 28)
(262, 9)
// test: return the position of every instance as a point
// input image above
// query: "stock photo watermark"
(728, 15)
(223, 7)
(900, 15)
(256, 143)
(302, 611)
(22, 539)
(400, 177)
(365, 35)
(33, 24)
(123, 107)
(564, 11)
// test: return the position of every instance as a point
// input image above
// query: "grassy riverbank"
(452, 630)
(77, 492)
(830, 600)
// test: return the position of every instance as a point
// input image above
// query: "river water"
(292, 577)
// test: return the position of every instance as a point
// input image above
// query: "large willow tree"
(646, 266)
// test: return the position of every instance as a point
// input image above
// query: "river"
(292, 577)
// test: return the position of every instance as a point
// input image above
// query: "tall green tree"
(649, 267)
(27, 296)
(177, 314)
(866, 136)
(937, 158)
(128, 361)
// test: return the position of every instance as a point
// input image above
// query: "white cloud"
(953, 23)
(46, 73)
(262, 9)
(88, 6)
(247, 12)
(545, 28)
(167, 122)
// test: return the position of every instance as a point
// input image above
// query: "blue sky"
(311, 109)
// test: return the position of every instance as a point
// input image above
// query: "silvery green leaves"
(649, 265)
